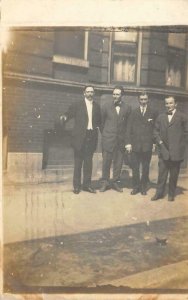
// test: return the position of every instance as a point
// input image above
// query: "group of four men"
(134, 131)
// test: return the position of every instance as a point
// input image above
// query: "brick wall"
(30, 52)
(154, 55)
(30, 109)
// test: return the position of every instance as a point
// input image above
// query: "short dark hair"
(88, 85)
(171, 96)
(143, 93)
(119, 87)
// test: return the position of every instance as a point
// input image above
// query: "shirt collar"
(143, 107)
(117, 103)
(173, 111)
(88, 101)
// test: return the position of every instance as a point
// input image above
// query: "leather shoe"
(144, 192)
(103, 188)
(171, 198)
(135, 191)
(156, 197)
(117, 188)
(76, 191)
(89, 189)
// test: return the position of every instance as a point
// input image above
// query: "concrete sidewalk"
(37, 211)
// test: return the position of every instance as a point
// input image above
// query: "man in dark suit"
(140, 143)
(171, 131)
(115, 115)
(87, 118)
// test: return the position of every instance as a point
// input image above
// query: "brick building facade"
(45, 69)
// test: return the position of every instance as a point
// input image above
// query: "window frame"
(184, 77)
(74, 61)
(137, 60)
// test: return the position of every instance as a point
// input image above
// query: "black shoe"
(89, 189)
(116, 187)
(143, 192)
(104, 187)
(171, 198)
(76, 191)
(156, 197)
(135, 191)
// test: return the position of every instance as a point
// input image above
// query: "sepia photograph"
(95, 162)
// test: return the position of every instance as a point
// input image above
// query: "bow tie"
(169, 113)
(117, 104)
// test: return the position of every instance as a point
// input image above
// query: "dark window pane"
(123, 48)
(70, 43)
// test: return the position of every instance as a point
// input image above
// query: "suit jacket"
(114, 126)
(78, 111)
(173, 135)
(140, 129)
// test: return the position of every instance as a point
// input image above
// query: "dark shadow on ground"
(180, 190)
(125, 181)
(82, 262)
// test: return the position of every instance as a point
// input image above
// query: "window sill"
(175, 88)
(125, 83)
(71, 61)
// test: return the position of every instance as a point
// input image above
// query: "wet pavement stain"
(87, 259)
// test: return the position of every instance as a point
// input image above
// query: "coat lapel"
(147, 113)
(84, 109)
(173, 118)
(166, 122)
(122, 109)
(113, 108)
(94, 113)
(138, 112)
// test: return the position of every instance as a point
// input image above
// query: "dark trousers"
(117, 158)
(84, 159)
(140, 159)
(168, 167)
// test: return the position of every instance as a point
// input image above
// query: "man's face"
(89, 93)
(117, 95)
(170, 104)
(143, 100)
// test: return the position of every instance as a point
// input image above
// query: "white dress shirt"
(171, 116)
(117, 109)
(89, 105)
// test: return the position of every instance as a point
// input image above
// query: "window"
(124, 56)
(176, 60)
(70, 43)
(71, 47)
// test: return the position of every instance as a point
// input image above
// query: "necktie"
(117, 104)
(143, 111)
(169, 113)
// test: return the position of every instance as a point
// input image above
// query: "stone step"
(59, 167)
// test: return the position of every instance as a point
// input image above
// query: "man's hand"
(128, 148)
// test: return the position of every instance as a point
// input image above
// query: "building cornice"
(26, 79)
